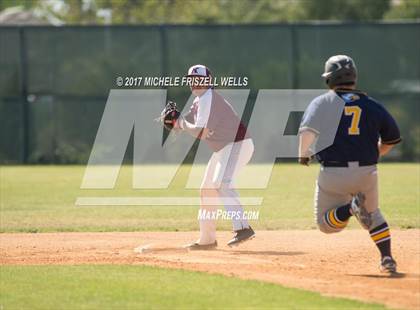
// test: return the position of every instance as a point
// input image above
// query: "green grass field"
(42, 198)
(142, 287)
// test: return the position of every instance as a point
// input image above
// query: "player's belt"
(346, 163)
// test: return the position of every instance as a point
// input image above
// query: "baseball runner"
(212, 119)
(347, 184)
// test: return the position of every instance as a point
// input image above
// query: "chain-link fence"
(54, 81)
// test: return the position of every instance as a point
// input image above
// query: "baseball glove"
(169, 115)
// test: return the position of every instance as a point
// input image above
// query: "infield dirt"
(344, 264)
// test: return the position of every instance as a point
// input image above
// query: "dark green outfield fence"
(54, 81)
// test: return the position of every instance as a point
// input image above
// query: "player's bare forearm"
(384, 148)
(306, 139)
(197, 132)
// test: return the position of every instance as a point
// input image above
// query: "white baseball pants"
(218, 185)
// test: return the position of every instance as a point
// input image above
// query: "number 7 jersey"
(354, 122)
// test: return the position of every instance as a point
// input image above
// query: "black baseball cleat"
(241, 236)
(195, 246)
(358, 209)
(388, 265)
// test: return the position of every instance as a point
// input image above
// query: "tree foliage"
(220, 11)
(4, 4)
(407, 9)
(348, 10)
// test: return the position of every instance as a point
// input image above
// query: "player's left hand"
(305, 160)
(169, 116)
